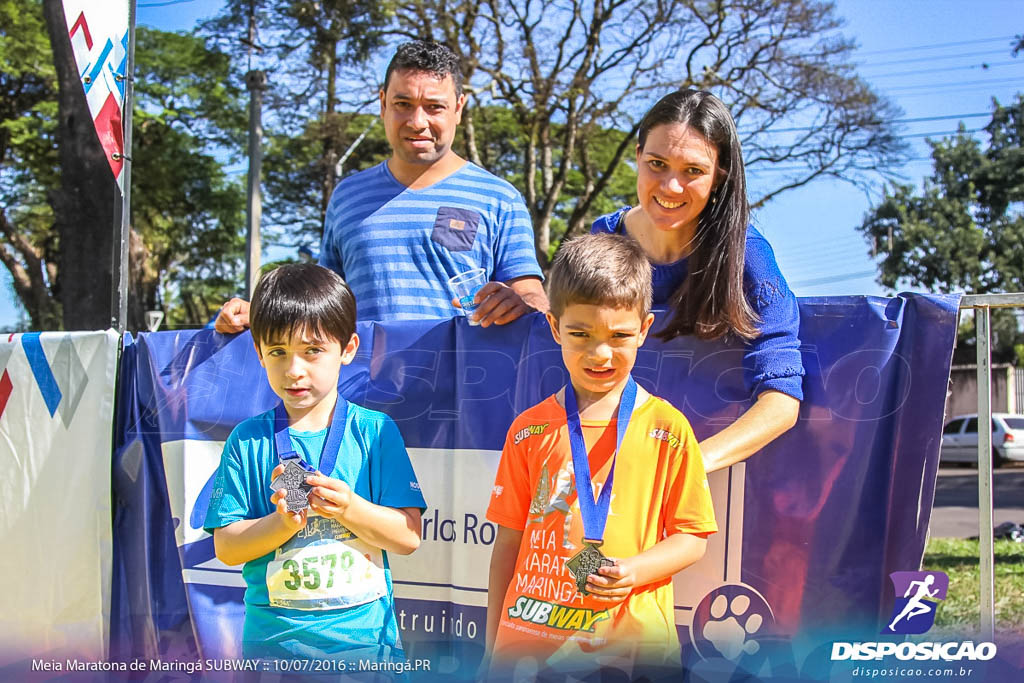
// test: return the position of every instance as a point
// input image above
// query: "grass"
(959, 612)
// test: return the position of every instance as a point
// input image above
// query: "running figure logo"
(917, 596)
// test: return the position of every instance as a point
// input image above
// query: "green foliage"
(187, 215)
(295, 171)
(958, 614)
(963, 230)
(28, 157)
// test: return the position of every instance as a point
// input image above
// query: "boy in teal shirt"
(317, 578)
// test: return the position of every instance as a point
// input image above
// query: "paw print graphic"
(728, 621)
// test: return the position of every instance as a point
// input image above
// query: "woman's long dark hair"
(711, 301)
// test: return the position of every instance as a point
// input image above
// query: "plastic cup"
(466, 285)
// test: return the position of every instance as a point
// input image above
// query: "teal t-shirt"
(374, 463)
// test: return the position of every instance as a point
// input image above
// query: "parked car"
(960, 439)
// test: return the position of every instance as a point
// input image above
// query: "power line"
(914, 120)
(933, 58)
(164, 4)
(833, 278)
(938, 86)
(944, 69)
(978, 41)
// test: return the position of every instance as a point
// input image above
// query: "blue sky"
(926, 55)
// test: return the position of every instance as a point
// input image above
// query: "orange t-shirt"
(660, 488)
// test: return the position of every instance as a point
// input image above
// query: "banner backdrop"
(809, 528)
(99, 38)
(56, 409)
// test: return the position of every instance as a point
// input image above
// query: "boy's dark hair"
(302, 297)
(602, 269)
(422, 55)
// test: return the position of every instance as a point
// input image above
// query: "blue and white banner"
(811, 527)
(56, 411)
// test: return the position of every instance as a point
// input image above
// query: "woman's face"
(676, 172)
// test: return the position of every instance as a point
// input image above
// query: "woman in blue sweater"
(716, 274)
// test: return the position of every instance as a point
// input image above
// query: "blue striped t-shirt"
(397, 247)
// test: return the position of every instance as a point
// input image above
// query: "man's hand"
(233, 317)
(499, 303)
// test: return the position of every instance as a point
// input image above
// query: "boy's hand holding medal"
(291, 493)
(612, 582)
(329, 497)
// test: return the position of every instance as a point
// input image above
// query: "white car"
(960, 439)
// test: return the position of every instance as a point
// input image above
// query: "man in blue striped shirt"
(399, 230)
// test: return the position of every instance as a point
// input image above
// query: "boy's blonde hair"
(602, 269)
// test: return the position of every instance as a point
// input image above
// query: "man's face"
(420, 113)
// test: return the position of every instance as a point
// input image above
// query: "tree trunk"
(331, 131)
(84, 205)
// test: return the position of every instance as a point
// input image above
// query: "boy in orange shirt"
(584, 582)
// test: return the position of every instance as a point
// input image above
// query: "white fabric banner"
(56, 411)
(99, 37)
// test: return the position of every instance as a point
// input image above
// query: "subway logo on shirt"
(553, 615)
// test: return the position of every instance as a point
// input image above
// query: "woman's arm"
(772, 414)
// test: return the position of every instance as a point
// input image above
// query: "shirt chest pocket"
(455, 229)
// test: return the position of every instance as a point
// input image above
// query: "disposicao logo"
(917, 596)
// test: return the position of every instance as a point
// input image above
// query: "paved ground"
(955, 513)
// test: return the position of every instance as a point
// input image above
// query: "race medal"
(293, 481)
(594, 513)
(324, 565)
(584, 563)
(293, 478)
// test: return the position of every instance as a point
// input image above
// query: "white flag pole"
(119, 293)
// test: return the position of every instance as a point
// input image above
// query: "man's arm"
(503, 566)
(233, 317)
(499, 303)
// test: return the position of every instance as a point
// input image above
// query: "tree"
(83, 203)
(963, 229)
(187, 215)
(28, 160)
(313, 53)
(577, 75)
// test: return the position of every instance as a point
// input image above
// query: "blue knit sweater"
(772, 359)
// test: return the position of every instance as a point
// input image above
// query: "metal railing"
(982, 305)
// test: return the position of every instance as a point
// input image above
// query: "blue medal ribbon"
(332, 444)
(595, 513)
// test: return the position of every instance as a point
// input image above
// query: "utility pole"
(256, 81)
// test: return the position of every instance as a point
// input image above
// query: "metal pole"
(256, 80)
(119, 305)
(986, 545)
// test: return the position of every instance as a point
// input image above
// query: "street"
(955, 513)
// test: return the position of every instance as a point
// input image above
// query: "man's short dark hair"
(302, 297)
(601, 270)
(423, 55)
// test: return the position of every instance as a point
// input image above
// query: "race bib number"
(324, 566)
